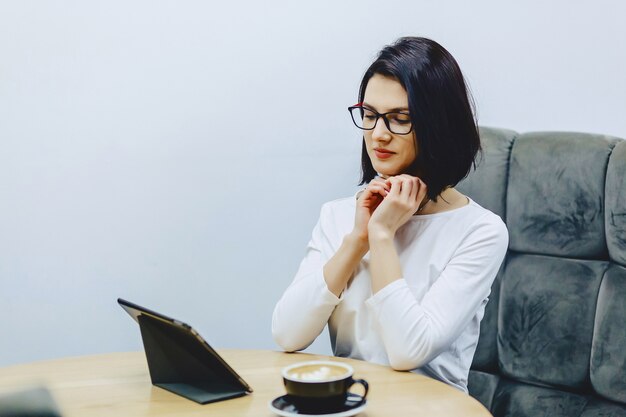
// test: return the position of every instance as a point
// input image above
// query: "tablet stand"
(179, 362)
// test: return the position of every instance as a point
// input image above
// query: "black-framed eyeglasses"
(364, 118)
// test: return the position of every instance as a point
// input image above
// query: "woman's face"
(390, 153)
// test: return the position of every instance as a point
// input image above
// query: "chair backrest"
(553, 338)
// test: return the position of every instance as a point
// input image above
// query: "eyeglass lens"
(364, 118)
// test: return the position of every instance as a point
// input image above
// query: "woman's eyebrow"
(391, 110)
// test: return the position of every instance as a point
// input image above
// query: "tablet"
(181, 361)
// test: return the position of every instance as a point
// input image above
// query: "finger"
(395, 186)
(407, 187)
(380, 189)
(413, 178)
(411, 183)
(378, 184)
(410, 188)
(415, 188)
(374, 189)
(422, 195)
(406, 176)
(385, 183)
(423, 190)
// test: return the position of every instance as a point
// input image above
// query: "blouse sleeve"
(305, 307)
(415, 332)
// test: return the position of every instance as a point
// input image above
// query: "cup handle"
(365, 385)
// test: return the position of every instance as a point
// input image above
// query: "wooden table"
(118, 384)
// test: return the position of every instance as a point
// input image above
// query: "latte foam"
(317, 373)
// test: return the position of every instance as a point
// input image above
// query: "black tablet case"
(181, 363)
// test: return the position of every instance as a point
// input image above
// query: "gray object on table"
(34, 402)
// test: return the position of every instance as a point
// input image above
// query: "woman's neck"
(449, 199)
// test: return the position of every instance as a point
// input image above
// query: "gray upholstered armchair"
(553, 339)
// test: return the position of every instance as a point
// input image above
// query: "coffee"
(317, 373)
(318, 386)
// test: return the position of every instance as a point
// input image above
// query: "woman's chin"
(389, 170)
(386, 173)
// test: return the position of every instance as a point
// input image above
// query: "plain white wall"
(177, 153)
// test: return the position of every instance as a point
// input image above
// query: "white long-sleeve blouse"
(428, 321)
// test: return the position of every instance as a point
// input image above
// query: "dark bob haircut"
(441, 109)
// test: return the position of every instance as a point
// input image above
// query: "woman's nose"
(380, 131)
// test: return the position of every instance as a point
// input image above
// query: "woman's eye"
(369, 117)
(401, 119)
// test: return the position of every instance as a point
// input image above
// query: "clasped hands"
(386, 204)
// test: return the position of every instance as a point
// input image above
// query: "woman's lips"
(383, 153)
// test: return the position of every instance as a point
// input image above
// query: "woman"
(402, 272)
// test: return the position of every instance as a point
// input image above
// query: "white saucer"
(283, 407)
